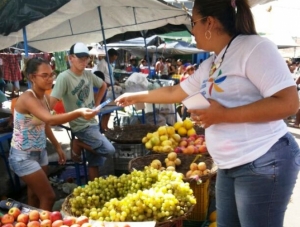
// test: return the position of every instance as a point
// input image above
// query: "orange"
(213, 216)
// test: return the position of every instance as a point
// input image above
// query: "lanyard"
(215, 66)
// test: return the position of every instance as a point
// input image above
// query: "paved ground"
(292, 218)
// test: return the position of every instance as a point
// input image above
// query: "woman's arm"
(279, 106)
(169, 94)
(56, 144)
(28, 104)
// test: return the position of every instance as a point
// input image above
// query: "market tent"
(175, 48)
(16, 14)
(178, 35)
(282, 40)
(139, 42)
(136, 47)
(78, 20)
(189, 3)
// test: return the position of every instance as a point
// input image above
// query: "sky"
(284, 17)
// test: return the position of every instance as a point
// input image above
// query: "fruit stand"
(166, 178)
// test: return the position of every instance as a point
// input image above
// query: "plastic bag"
(136, 82)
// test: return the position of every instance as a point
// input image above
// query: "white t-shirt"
(252, 69)
(103, 67)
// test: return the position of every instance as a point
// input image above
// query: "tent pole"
(105, 48)
(107, 59)
(26, 50)
(147, 54)
(149, 68)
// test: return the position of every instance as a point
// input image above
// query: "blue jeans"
(257, 194)
(99, 143)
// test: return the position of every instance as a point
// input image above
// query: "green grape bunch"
(148, 195)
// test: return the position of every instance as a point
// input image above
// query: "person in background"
(132, 64)
(158, 66)
(75, 88)
(143, 64)
(52, 63)
(189, 70)
(180, 67)
(171, 68)
(250, 93)
(164, 69)
(103, 67)
(32, 120)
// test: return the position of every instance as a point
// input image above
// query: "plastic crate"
(201, 192)
(126, 152)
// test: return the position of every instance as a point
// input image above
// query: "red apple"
(64, 226)
(7, 219)
(14, 211)
(33, 223)
(57, 223)
(178, 150)
(34, 215)
(69, 220)
(82, 219)
(191, 142)
(8, 225)
(21, 224)
(44, 215)
(196, 149)
(46, 223)
(86, 225)
(202, 149)
(23, 218)
(192, 138)
(55, 215)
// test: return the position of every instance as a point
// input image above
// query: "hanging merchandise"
(11, 69)
(60, 61)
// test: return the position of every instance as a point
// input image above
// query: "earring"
(208, 35)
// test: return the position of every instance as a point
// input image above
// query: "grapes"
(138, 196)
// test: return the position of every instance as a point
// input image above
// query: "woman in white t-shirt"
(250, 91)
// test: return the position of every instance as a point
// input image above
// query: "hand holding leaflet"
(196, 101)
(102, 105)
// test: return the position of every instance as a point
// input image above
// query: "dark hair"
(234, 15)
(112, 52)
(100, 75)
(31, 65)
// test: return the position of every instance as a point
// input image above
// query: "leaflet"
(196, 101)
(102, 104)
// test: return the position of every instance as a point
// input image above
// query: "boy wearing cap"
(75, 87)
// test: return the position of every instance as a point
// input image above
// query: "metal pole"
(105, 48)
(147, 54)
(26, 50)
(107, 59)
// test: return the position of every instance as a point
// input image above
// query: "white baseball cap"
(80, 50)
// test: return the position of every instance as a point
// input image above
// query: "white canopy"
(79, 20)
(282, 40)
